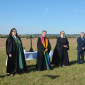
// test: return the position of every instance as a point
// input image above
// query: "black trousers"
(41, 64)
(63, 57)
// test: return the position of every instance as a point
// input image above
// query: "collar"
(62, 36)
(15, 36)
(82, 37)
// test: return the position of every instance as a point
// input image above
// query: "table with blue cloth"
(33, 55)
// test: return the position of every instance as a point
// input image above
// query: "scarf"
(46, 54)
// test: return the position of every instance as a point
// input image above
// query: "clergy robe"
(63, 52)
(13, 62)
(55, 58)
(41, 63)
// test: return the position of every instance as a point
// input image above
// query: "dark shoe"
(39, 70)
(78, 63)
(82, 62)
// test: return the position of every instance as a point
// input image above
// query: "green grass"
(73, 74)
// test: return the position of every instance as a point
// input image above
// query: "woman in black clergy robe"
(16, 60)
(63, 47)
(43, 60)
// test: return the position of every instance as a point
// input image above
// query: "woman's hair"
(10, 34)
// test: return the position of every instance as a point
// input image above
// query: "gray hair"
(44, 31)
(82, 32)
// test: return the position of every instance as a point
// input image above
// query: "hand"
(83, 48)
(46, 50)
(10, 55)
(65, 46)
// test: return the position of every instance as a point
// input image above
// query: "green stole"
(19, 46)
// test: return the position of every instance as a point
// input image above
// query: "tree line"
(50, 36)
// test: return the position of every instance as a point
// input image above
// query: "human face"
(82, 34)
(62, 33)
(44, 34)
(14, 32)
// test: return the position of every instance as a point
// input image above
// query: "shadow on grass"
(54, 66)
(2, 76)
(30, 68)
(51, 76)
(72, 62)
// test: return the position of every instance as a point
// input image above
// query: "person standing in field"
(81, 48)
(62, 48)
(44, 47)
(16, 60)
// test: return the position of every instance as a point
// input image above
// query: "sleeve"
(67, 44)
(49, 46)
(77, 40)
(78, 43)
(55, 46)
(9, 46)
(84, 42)
(40, 47)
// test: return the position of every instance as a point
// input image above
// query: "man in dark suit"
(81, 48)
(62, 47)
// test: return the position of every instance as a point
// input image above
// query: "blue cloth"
(81, 44)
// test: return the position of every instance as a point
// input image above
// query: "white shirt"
(62, 36)
(15, 36)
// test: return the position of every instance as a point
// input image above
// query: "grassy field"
(73, 74)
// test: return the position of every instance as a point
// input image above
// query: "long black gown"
(13, 62)
(41, 64)
(55, 58)
(63, 52)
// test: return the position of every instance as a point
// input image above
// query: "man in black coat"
(44, 47)
(62, 47)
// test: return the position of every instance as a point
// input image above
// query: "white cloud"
(46, 9)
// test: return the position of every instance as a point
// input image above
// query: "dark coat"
(41, 65)
(55, 58)
(62, 52)
(13, 62)
(61, 42)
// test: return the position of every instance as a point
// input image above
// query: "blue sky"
(33, 16)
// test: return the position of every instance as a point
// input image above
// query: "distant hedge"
(3, 36)
(36, 36)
